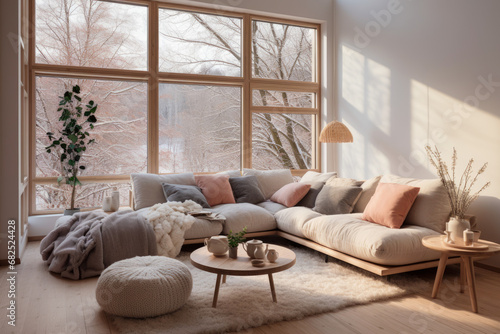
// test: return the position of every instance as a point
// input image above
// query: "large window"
(178, 89)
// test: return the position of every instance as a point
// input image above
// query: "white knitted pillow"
(145, 286)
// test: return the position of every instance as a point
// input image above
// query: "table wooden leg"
(471, 281)
(439, 274)
(216, 292)
(271, 283)
(223, 279)
(462, 275)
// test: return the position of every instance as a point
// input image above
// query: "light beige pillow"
(270, 181)
(312, 177)
(369, 187)
(432, 208)
(343, 182)
(147, 188)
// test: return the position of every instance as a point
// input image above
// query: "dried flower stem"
(459, 195)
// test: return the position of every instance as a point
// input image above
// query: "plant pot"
(233, 252)
(457, 226)
(69, 212)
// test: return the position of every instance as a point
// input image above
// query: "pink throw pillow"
(390, 204)
(291, 193)
(215, 188)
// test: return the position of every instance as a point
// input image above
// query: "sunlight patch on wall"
(377, 161)
(378, 95)
(353, 78)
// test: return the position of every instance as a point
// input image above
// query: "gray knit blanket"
(90, 241)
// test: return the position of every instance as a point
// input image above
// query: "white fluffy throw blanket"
(170, 220)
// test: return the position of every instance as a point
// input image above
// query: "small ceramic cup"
(477, 234)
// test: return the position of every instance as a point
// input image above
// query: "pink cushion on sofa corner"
(390, 204)
(291, 193)
(215, 188)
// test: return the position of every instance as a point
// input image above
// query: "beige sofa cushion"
(371, 242)
(239, 215)
(147, 188)
(270, 181)
(291, 220)
(369, 187)
(311, 177)
(432, 208)
(271, 206)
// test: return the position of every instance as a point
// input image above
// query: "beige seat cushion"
(371, 242)
(271, 206)
(432, 208)
(291, 220)
(147, 188)
(239, 215)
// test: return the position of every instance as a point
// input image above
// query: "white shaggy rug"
(310, 287)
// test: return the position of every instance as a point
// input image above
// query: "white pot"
(457, 226)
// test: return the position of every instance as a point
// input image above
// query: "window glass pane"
(91, 33)
(282, 141)
(120, 131)
(199, 43)
(55, 197)
(281, 51)
(273, 98)
(199, 128)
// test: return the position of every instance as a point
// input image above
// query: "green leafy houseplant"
(73, 138)
(236, 238)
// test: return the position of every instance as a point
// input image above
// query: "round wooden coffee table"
(435, 242)
(224, 265)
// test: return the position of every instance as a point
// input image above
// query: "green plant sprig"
(236, 238)
(74, 137)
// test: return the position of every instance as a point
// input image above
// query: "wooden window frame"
(153, 77)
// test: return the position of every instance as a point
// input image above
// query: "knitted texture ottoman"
(144, 286)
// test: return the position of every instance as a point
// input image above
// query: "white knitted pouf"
(144, 286)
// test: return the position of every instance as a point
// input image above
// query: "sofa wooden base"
(377, 269)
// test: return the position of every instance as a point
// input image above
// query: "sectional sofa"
(346, 236)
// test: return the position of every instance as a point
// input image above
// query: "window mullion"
(246, 119)
(153, 110)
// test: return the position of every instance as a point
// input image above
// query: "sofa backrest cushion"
(147, 188)
(309, 199)
(270, 181)
(311, 177)
(181, 193)
(369, 187)
(246, 189)
(343, 182)
(390, 204)
(431, 208)
(216, 188)
(291, 193)
(333, 200)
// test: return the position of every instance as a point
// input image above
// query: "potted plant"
(73, 139)
(234, 240)
(460, 194)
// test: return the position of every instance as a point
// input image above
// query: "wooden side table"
(435, 242)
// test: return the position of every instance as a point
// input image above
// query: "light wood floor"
(48, 304)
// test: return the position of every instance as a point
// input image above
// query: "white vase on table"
(457, 226)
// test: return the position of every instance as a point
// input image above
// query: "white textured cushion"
(239, 215)
(371, 242)
(432, 208)
(292, 219)
(369, 187)
(145, 286)
(270, 181)
(147, 188)
(311, 177)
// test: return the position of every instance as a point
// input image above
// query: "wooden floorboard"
(49, 304)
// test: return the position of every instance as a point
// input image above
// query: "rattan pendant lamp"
(335, 132)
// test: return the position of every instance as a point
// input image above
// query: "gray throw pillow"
(336, 200)
(181, 193)
(309, 199)
(246, 189)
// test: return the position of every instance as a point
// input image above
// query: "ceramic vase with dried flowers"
(460, 194)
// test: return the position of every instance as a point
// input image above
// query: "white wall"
(410, 78)
(9, 92)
